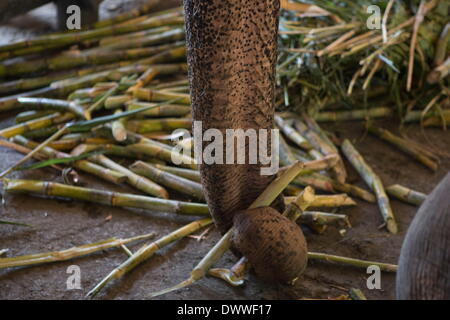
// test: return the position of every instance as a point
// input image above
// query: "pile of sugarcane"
(341, 61)
(106, 101)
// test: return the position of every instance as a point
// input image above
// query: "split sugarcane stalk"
(134, 180)
(323, 218)
(114, 199)
(118, 129)
(68, 254)
(405, 194)
(337, 200)
(403, 145)
(185, 186)
(147, 251)
(265, 199)
(373, 181)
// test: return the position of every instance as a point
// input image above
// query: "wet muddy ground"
(61, 224)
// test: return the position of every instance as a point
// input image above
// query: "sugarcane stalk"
(351, 261)
(152, 125)
(134, 13)
(118, 129)
(68, 254)
(185, 186)
(166, 153)
(35, 124)
(53, 104)
(114, 199)
(193, 175)
(168, 110)
(405, 194)
(325, 183)
(292, 134)
(286, 155)
(44, 43)
(137, 181)
(337, 200)
(156, 96)
(373, 181)
(318, 218)
(31, 115)
(403, 145)
(356, 294)
(333, 116)
(147, 251)
(338, 171)
(84, 165)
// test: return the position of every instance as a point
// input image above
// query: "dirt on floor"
(60, 224)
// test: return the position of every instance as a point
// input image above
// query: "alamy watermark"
(73, 22)
(236, 146)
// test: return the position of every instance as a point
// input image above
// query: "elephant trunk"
(424, 265)
(232, 51)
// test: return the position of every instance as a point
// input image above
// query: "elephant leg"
(424, 265)
(232, 51)
(88, 10)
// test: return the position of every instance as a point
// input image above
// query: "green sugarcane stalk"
(135, 35)
(114, 199)
(325, 183)
(286, 155)
(134, 13)
(44, 43)
(134, 180)
(84, 165)
(53, 104)
(338, 171)
(118, 101)
(374, 183)
(166, 153)
(68, 254)
(418, 116)
(39, 123)
(31, 115)
(352, 262)
(405, 194)
(292, 134)
(170, 55)
(170, 37)
(70, 60)
(337, 200)
(168, 110)
(147, 251)
(318, 218)
(156, 96)
(333, 116)
(152, 125)
(356, 294)
(185, 186)
(193, 175)
(40, 133)
(403, 145)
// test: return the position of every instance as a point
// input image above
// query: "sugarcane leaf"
(86, 125)
(51, 162)
(15, 223)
